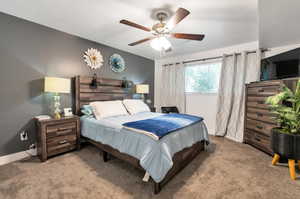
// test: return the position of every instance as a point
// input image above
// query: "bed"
(161, 159)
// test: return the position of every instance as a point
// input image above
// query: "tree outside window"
(203, 78)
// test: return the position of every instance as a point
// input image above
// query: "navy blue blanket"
(162, 125)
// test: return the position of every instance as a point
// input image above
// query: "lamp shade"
(142, 88)
(57, 85)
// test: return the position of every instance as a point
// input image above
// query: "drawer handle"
(63, 132)
(261, 90)
(65, 128)
(62, 142)
(259, 127)
(257, 139)
(259, 114)
(260, 102)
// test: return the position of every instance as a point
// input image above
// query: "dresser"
(55, 136)
(259, 120)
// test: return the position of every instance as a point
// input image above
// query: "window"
(202, 78)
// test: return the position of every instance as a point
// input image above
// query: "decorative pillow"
(87, 110)
(102, 109)
(134, 106)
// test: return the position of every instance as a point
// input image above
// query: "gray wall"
(28, 53)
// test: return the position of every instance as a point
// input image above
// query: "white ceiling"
(278, 22)
(224, 22)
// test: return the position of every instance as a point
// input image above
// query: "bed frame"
(111, 89)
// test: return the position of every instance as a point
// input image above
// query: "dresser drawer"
(257, 99)
(55, 141)
(259, 126)
(258, 104)
(61, 129)
(261, 115)
(277, 83)
(263, 91)
(258, 140)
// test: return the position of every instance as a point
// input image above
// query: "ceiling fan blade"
(179, 15)
(198, 37)
(129, 23)
(141, 41)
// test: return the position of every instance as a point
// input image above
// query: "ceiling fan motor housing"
(160, 27)
(162, 15)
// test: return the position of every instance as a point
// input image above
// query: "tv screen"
(284, 65)
(286, 69)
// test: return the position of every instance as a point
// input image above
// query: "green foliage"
(286, 106)
(203, 78)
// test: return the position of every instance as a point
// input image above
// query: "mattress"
(155, 156)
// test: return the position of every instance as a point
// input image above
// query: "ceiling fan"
(162, 30)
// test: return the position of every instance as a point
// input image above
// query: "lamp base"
(143, 97)
(57, 116)
(57, 110)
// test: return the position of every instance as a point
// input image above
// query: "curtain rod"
(209, 58)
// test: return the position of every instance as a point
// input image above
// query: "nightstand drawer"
(61, 140)
(62, 129)
(54, 150)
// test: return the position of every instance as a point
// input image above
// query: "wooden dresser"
(259, 120)
(57, 136)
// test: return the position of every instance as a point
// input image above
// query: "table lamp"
(142, 89)
(57, 85)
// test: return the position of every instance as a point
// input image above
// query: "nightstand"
(55, 136)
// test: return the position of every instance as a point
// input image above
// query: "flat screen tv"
(281, 66)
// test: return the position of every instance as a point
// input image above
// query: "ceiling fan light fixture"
(160, 43)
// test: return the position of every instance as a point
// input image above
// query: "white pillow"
(134, 106)
(104, 109)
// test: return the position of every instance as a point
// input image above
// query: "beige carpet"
(226, 170)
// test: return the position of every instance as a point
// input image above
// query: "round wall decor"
(117, 63)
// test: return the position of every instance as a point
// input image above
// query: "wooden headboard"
(108, 89)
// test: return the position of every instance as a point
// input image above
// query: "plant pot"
(285, 145)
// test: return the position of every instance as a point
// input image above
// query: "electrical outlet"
(23, 136)
(32, 150)
(32, 146)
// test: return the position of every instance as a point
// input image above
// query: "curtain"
(172, 86)
(236, 71)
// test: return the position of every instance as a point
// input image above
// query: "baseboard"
(234, 139)
(17, 156)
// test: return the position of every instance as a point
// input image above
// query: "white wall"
(204, 105)
(278, 22)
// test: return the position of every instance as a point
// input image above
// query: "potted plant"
(285, 139)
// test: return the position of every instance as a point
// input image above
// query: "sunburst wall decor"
(93, 58)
